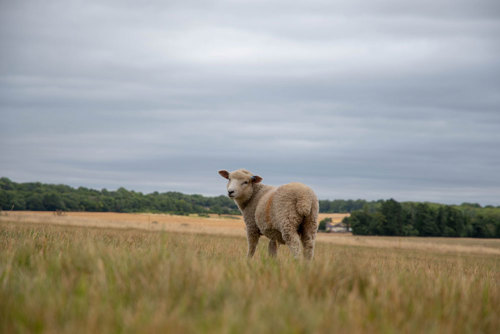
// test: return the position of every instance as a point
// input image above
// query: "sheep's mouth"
(230, 196)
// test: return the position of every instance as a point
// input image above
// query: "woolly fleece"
(286, 214)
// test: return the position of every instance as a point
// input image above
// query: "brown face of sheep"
(240, 183)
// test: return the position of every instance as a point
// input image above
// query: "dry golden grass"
(234, 225)
(336, 217)
(215, 224)
(69, 279)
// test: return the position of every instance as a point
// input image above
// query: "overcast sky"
(358, 99)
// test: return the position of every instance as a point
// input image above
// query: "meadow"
(58, 276)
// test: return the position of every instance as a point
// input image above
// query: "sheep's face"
(240, 183)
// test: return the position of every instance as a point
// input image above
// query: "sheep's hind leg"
(292, 240)
(273, 248)
(308, 244)
(308, 236)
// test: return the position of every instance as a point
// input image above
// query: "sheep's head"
(240, 183)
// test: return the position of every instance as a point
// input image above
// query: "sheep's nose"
(230, 192)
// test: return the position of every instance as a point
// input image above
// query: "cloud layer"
(360, 100)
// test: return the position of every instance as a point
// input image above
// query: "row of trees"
(341, 206)
(46, 197)
(367, 218)
(426, 219)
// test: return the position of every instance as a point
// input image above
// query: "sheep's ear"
(224, 174)
(256, 179)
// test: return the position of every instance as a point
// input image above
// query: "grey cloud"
(358, 99)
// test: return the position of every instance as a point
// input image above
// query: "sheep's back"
(296, 197)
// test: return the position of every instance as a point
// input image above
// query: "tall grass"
(61, 279)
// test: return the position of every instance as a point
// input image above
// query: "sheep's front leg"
(253, 239)
(273, 248)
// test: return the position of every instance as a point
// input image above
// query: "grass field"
(62, 274)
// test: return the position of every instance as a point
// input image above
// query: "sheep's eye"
(246, 182)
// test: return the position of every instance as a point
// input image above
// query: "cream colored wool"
(286, 214)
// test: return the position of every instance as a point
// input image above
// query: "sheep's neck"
(246, 205)
(243, 203)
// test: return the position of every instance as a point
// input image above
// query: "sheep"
(287, 214)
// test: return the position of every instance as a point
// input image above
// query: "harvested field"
(72, 279)
(230, 225)
(234, 225)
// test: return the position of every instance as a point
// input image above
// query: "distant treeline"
(342, 206)
(37, 196)
(425, 219)
(367, 218)
(48, 197)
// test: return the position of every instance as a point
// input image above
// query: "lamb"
(286, 214)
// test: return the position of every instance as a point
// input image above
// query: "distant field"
(62, 274)
(214, 224)
(234, 225)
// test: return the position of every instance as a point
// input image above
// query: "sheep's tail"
(313, 217)
(308, 205)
